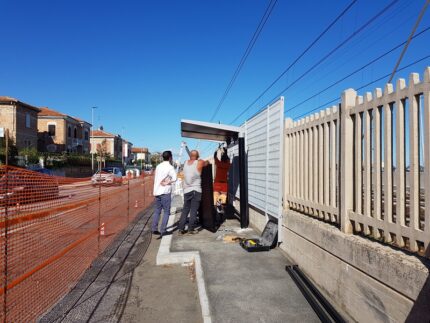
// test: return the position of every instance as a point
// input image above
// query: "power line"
(420, 16)
(357, 47)
(355, 71)
(245, 55)
(301, 55)
(330, 53)
(364, 86)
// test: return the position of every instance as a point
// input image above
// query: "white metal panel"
(264, 142)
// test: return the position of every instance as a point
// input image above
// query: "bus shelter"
(220, 133)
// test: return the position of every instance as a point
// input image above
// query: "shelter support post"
(243, 176)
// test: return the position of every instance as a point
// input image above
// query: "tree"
(102, 152)
(12, 151)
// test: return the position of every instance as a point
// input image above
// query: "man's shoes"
(182, 232)
(156, 232)
(193, 231)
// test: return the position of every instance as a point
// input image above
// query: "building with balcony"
(21, 120)
(111, 144)
(141, 154)
(58, 132)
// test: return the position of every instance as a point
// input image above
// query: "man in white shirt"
(165, 175)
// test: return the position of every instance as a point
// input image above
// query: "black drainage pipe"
(318, 302)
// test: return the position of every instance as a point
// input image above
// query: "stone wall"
(13, 117)
(75, 172)
(60, 134)
(26, 136)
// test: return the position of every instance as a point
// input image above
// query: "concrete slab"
(242, 286)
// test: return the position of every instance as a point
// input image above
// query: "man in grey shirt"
(192, 186)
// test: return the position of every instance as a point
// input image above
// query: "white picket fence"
(365, 165)
(311, 150)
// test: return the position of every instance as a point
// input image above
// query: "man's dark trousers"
(162, 202)
(191, 205)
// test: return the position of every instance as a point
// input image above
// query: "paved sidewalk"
(162, 293)
(125, 285)
(242, 286)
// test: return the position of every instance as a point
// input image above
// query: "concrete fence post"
(346, 159)
(288, 150)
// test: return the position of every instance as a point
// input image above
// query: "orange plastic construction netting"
(52, 228)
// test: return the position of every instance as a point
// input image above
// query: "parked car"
(107, 176)
(26, 187)
(44, 171)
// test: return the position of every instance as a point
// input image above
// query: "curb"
(165, 257)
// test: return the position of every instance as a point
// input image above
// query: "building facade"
(127, 148)
(141, 154)
(59, 132)
(111, 144)
(21, 120)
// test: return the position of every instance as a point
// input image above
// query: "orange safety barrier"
(51, 230)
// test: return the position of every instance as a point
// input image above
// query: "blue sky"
(148, 64)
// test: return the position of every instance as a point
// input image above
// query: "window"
(51, 130)
(86, 135)
(69, 131)
(27, 120)
(75, 133)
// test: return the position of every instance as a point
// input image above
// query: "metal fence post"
(128, 200)
(144, 192)
(6, 228)
(346, 184)
(99, 210)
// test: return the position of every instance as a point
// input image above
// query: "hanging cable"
(303, 53)
(364, 86)
(245, 55)
(420, 16)
(355, 71)
(330, 53)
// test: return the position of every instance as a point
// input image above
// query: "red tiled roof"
(101, 133)
(45, 111)
(7, 99)
(80, 120)
(137, 150)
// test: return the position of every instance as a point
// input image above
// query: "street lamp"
(92, 150)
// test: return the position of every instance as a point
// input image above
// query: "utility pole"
(91, 135)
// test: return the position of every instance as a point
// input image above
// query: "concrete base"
(368, 281)
(257, 220)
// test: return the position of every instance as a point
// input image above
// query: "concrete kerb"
(165, 257)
